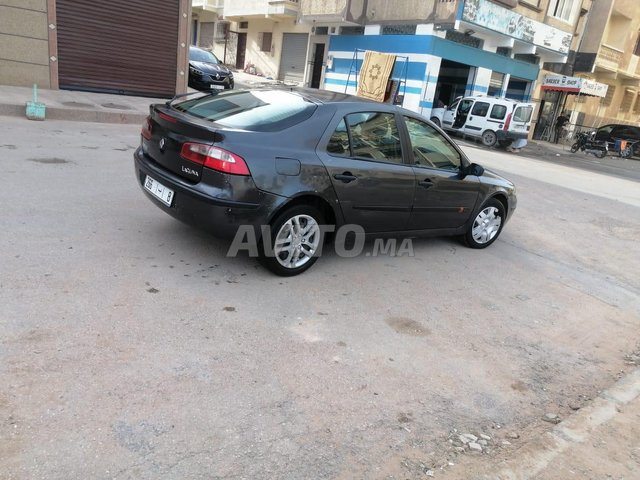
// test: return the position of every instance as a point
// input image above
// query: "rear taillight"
(146, 129)
(215, 158)
(507, 123)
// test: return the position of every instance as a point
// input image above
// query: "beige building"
(270, 38)
(604, 49)
(104, 48)
(609, 53)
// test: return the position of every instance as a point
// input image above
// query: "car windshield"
(256, 110)
(196, 55)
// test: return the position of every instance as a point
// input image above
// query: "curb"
(78, 115)
(572, 431)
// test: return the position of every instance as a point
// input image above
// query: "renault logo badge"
(163, 142)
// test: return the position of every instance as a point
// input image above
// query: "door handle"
(345, 177)
(426, 183)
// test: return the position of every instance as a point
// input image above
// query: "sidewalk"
(97, 107)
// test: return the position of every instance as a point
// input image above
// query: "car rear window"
(522, 114)
(254, 110)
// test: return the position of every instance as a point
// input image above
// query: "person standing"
(561, 121)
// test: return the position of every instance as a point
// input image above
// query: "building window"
(527, 57)
(468, 40)
(504, 51)
(627, 100)
(606, 101)
(222, 31)
(636, 50)
(636, 107)
(243, 25)
(321, 31)
(265, 39)
(399, 29)
(495, 84)
(351, 30)
(563, 9)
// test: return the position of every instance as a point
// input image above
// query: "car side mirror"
(472, 169)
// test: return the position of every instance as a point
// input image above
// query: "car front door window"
(430, 148)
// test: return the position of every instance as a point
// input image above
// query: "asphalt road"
(132, 347)
(612, 164)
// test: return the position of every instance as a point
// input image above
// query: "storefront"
(556, 89)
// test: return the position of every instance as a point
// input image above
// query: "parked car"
(492, 119)
(206, 72)
(613, 134)
(297, 159)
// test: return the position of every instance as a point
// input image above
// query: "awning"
(576, 85)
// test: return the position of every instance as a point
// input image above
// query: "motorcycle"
(586, 143)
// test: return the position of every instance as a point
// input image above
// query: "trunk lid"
(170, 130)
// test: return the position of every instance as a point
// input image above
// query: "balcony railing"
(210, 5)
(609, 57)
(284, 8)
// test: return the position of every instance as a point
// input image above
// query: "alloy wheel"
(486, 225)
(297, 241)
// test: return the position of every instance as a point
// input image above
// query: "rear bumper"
(502, 135)
(192, 205)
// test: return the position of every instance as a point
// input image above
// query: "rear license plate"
(162, 193)
(217, 87)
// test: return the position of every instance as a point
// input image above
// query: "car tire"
(436, 121)
(489, 138)
(575, 147)
(291, 224)
(627, 152)
(487, 225)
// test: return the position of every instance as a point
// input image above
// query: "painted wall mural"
(494, 17)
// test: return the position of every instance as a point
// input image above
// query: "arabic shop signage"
(583, 86)
(502, 20)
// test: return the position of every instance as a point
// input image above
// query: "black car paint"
(203, 74)
(221, 202)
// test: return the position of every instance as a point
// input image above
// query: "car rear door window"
(430, 148)
(480, 109)
(339, 142)
(373, 136)
(498, 112)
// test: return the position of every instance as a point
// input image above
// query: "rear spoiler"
(210, 93)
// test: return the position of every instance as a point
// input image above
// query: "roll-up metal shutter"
(294, 57)
(119, 46)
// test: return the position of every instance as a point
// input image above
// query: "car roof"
(326, 96)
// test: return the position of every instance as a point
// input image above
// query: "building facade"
(84, 45)
(609, 53)
(444, 48)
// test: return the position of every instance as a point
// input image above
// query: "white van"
(494, 120)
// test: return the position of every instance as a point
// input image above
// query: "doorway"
(241, 50)
(453, 78)
(316, 69)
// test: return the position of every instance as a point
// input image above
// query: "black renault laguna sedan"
(287, 163)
